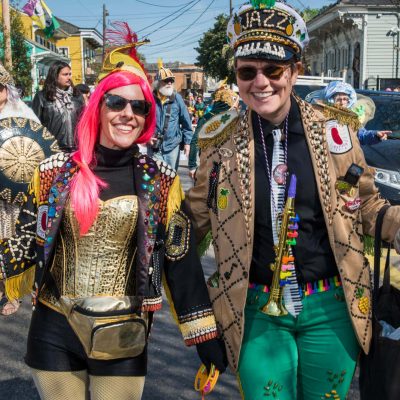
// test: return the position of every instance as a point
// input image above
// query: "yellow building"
(80, 47)
(71, 44)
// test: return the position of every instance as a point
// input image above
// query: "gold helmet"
(123, 55)
(5, 77)
(163, 73)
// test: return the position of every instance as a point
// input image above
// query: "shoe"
(10, 307)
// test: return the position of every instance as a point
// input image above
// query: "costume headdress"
(225, 94)
(267, 29)
(123, 54)
(5, 77)
(163, 73)
(336, 87)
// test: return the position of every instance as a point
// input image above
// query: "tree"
(22, 65)
(309, 13)
(211, 55)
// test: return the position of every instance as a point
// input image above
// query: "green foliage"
(309, 13)
(21, 62)
(211, 55)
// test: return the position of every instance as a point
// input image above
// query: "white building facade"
(358, 39)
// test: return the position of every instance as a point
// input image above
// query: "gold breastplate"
(100, 262)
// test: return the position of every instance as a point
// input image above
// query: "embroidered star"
(225, 118)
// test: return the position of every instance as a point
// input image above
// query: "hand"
(152, 140)
(192, 173)
(396, 242)
(383, 134)
(213, 352)
(186, 150)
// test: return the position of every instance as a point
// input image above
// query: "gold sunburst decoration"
(20, 155)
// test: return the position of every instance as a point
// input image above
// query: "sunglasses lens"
(170, 80)
(247, 73)
(116, 103)
(274, 71)
(140, 107)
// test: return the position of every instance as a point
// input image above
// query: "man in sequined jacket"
(245, 167)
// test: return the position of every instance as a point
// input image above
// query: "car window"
(303, 90)
(387, 113)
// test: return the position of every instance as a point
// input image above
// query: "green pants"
(310, 357)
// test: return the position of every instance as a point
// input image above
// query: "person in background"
(225, 99)
(11, 105)
(199, 108)
(117, 228)
(57, 108)
(83, 90)
(343, 95)
(294, 329)
(174, 126)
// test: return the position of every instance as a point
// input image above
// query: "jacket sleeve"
(185, 122)
(184, 282)
(37, 106)
(367, 137)
(18, 253)
(372, 202)
(196, 200)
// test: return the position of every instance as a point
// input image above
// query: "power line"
(188, 27)
(162, 19)
(156, 5)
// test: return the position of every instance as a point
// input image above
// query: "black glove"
(213, 352)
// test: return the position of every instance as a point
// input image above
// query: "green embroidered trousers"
(311, 357)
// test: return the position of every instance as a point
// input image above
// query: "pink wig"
(86, 185)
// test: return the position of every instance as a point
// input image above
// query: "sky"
(185, 20)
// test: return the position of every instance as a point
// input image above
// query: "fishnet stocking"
(116, 387)
(54, 385)
(74, 385)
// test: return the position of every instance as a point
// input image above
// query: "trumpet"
(284, 260)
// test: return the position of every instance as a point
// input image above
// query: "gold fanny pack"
(107, 326)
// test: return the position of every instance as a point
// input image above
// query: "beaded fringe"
(19, 286)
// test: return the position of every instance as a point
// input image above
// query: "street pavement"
(172, 366)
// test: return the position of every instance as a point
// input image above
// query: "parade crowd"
(281, 190)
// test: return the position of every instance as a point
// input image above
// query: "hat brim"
(266, 50)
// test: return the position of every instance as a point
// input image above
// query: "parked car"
(383, 157)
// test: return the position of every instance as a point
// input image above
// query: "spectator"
(343, 95)
(199, 107)
(57, 107)
(173, 121)
(84, 90)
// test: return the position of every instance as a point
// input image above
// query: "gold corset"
(99, 263)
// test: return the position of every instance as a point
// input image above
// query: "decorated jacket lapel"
(57, 197)
(314, 129)
(244, 146)
(147, 184)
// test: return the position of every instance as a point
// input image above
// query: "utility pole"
(105, 14)
(230, 8)
(7, 35)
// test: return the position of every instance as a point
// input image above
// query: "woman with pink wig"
(98, 230)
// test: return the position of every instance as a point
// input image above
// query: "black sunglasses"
(169, 80)
(273, 72)
(118, 103)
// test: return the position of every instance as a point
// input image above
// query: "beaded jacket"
(165, 244)
(222, 202)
